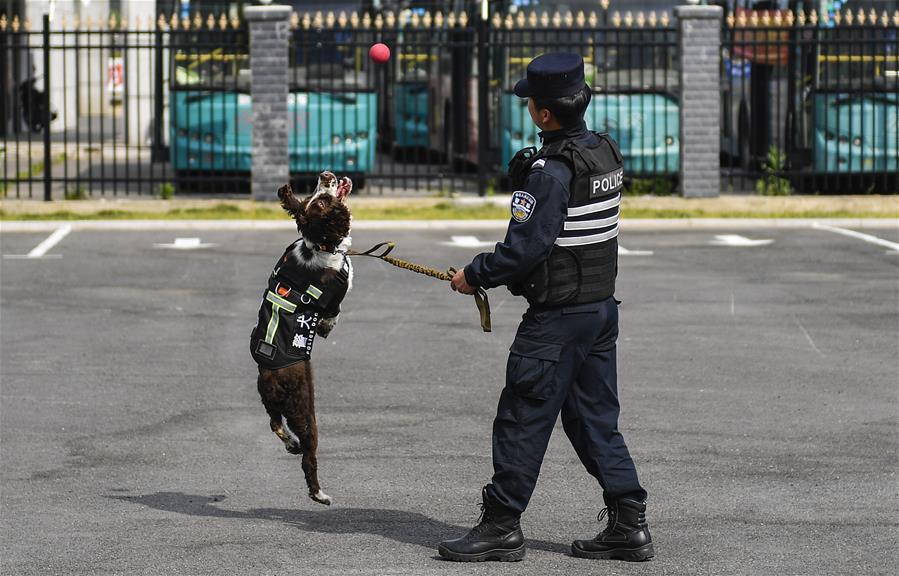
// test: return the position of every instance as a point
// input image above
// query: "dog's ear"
(289, 202)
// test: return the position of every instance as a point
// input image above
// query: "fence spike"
(438, 19)
(654, 19)
(496, 20)
(861, 16)
(791, 18)
(838, 17)
(872, 16)
(641, 19)
(580, 19)
(592, 19)
(414, 20)
(754, 19)
(463, 19)
(173, 21)
(665, 20)
(766, 18)
(778, 19)
(330, 19)
(3, 23)
(235, 22)
(604, 4)
(198, 21)
(379, 21)
(896, 18)
(628, 19)
(533, 20)
(354, 19)
(569, 19)
(813, 17)
(731, 20)
(885, 18)
(343, 19)
(519, 20)
(616, 19)
(318, 20)
(210, 22)
(557, 19)
(223, 22)
(451, 20)
(26, 25)
(427, 20)
(544, 19)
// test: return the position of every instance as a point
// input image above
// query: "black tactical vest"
(293, 304)
(583, 263)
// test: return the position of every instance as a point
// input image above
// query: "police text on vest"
(606, 183)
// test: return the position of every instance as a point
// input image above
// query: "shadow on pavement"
(400, 525)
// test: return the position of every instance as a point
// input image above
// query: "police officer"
(560, 252)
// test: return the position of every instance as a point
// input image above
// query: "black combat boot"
(626, 536)
(497, 536)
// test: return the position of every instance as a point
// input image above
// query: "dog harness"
(293, 304)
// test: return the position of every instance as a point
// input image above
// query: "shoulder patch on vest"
(523, 205)
(538, 163)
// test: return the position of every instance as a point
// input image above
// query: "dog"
(302, 300)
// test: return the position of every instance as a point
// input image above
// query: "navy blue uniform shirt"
(530, 241)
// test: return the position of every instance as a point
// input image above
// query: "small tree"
(772, 183)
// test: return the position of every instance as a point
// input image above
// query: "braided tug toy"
(382, 250)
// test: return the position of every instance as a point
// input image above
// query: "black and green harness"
(295, 301)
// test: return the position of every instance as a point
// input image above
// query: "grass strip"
(436, 211)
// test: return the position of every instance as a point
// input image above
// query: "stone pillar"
(269, 39)
(699, 50)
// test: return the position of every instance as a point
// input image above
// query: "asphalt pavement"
(758, 382)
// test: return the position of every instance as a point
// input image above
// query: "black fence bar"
(46, 120)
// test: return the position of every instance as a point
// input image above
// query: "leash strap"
(382, 250)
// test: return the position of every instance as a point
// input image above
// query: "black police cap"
(552, 76)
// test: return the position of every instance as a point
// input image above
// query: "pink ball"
(379, 52)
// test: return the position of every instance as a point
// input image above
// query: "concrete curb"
(630, 224)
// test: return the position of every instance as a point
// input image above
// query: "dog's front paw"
(325, 326)
(321, 498)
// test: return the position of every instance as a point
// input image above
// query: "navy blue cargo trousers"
(562, 360)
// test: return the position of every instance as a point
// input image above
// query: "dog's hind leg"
(271, 393)
(290, 444)
(306, 429)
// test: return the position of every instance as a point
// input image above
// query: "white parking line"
(40, 251)
(853, 234)
(185, 244)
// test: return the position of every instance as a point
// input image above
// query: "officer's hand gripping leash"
(381, 251)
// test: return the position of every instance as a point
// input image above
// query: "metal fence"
(151, 108)
(98, 108)
(810, 104)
